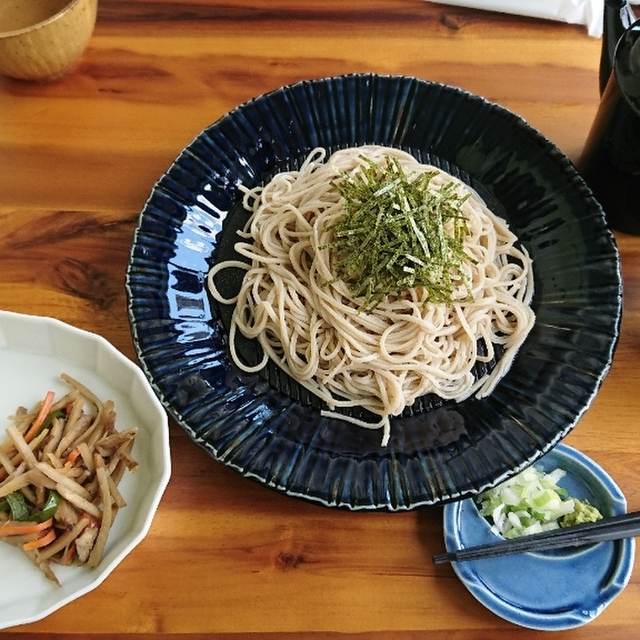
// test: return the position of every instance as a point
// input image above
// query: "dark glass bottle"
(610, 161)
(618, 17)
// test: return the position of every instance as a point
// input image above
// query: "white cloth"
(586, 12)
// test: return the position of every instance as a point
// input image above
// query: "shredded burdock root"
(60, 467)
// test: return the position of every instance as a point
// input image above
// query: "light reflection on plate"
(549, 590)
(269, 428)
(34, 351)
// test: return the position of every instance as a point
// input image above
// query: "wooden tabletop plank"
(227, 558)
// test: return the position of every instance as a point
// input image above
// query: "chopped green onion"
(532, 502)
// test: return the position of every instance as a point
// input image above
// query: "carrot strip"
(43, 541)
(42, 414)
(66, 540)
(67, 556)
(12, 528)
(73, 455)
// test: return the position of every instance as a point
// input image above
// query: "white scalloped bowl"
(34, 351)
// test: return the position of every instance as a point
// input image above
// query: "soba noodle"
(405, 347)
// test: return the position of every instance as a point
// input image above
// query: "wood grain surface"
(227, 558)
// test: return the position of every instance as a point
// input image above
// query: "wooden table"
(227, 558)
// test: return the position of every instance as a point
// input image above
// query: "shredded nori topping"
(397, 232)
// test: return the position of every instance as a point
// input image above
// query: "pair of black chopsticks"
(626, 525)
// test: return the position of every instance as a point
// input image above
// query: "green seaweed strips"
(397, 233)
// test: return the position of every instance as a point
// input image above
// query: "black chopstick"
(626, 525)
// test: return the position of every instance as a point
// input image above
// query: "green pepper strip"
(59, 413)
(17, 504)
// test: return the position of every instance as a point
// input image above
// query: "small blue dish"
(548, 590)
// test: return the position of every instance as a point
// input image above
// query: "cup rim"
(38, 25)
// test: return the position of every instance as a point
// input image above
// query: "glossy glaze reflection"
(438, 451)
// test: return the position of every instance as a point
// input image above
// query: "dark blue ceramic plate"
(547, 590)
(263, 425)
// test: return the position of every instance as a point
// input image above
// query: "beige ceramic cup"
(43, 39)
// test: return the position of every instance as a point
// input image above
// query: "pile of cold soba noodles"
(308, 322)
